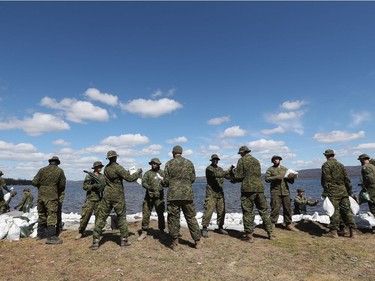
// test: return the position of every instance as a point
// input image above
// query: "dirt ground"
(304, 255)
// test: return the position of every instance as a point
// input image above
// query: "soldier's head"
(176, 150)
(54, 160)
(97, 166)
(112, 155)
(364, 158)
(26, 190)
(300, 190)
(214, 159)
(276, 159)
(329, 153)
(243, 150)
(155, 163)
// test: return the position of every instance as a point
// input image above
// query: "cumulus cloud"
(293, 105)
(338, 136)
(177, 140)
(158, 93)
(277, 130)
(370, 145)
(284, 116)
(61, 142)
(151, 108)
(213, 147)
(36, 125)
(233, 132)
(20, 151)
(359, 118)
(268, 146)
(96, 95)
(125, 140)
(218, 120)
(77, 111)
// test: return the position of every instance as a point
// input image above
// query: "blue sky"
(80, 78)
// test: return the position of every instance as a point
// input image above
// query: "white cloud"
(151, 108)
(277, 130)
(268, 146)
(158, 93)
(338, 136)
(171, 92)
(366, 146)
(218, 120)
(213, 147)
(358, 118)
(96, 95)
(19, 152)
(234, 131)
(38, 124)
(61, 142)
(293, 105)
(284, 116)
(125, 140)
(177, 140)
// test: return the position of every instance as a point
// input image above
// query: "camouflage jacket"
(278, 186)
(50, 182)
(248, 172)
(94, 190)
(152, 183)
(335, 180)
(215, 181)
(3, 185)
(114, 175)
(179, 175)
(27, 199)
(368, 178)
(300, 203)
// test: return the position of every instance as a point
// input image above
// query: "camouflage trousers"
(148, 205)
(342, 213)
(209, 206)
(3, 206)
(278, 201)
(104, 208)
(47, 211)
(248, 201)
(88, 208)
(187, 206)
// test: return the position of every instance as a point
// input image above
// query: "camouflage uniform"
(248, 172)
(154, 197)
(368, 181)
(3, 185)
(93, 196)
(179, 174)
(50, 182)
(301, 203)
(214, 194)
(337, 186)
(114, 197)
(280, 194)
(26, 203)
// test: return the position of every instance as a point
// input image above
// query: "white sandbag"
(5, 224)
(14, 232)
(328, 207)
(354, 206)
(290, 171)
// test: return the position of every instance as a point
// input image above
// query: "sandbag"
(354, 206)
(328, 207)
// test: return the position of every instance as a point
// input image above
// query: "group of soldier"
(105, 192)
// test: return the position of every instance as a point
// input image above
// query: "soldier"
(154, 196)
(93, 184)
(368, 181)
(4, 208)
(179, 175)
(4, 186)
(50, 181)
(301, 203)
(113, 198)
(214, 195)
(337, 187)
(248, 172)
(27, 201)
(280, 194)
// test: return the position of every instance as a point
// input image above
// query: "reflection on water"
(134, 193)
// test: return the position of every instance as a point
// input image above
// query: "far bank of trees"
(17, 181)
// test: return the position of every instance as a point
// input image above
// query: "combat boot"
(332, 234)
(41, 232)
(205, 232)
(291, 227)
(353, 233)
(174, 245)
(125, 242)
(198, 244)
(79, 235)
(95, 244)
(342, 232)
(221, 230)
(271, 236)
(51, 236)
(143, 235)
(248, 238)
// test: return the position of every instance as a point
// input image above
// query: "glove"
(291, 176)
(139, 171)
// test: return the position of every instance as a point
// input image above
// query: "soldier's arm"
(23, 199)
(347, 182)
(125, 174)
(4, 185)
(146, 179)
(238, 174)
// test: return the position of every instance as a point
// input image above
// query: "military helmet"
(243, 149)
(54, 159)
(214, 156)
(1, 173)
(177, 149)
(26, 189)
(111, 153)
(97, 164)
(276, 157)
(363, 156)
(329, 152)
(300, 190)
(154, 161)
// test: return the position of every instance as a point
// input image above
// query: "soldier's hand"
(291, 175)
(139, 171)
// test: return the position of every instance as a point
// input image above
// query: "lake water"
(134, 194)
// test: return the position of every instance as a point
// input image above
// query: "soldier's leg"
(160, 208)
(173, 210)
(287, 209)
(275, 207)
(120, 210)
(146, 212)
(189, 212)
(103, 210)
(52, 213)
(209, 207)
(220, 207)
(86, 212)
(335, 218)
(346, 213)
(247, 206)
(261, 204)
(42, 220)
